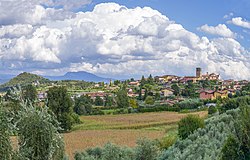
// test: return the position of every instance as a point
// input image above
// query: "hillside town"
(166, 89)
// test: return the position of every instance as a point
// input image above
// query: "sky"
(125, 38)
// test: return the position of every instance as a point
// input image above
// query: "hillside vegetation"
(24, 79)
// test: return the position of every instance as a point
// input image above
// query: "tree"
(122, 99)
(83, 105)
(176, 89)
(150, 80)
(5, 132)
(157, 96)
(143, 81)
(98, 101)
(188, 125)
(149, 100)
(29, 93)
(60, 104)
(108, 101)
(116, 82)
(38, 134)
(140, 93)
(145, 94)
(133, 103)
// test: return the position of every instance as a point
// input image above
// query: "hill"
(24, 79)
(82, 75)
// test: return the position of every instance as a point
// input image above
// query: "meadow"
(121, 129)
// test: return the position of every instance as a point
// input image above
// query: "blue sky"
(123, 39)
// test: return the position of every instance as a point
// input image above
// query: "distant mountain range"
(27, 78)
(81, 75)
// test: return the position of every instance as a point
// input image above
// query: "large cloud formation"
(111, 40)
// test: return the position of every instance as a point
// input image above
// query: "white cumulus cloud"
(221, 30)
(116, 41)
(239, 21)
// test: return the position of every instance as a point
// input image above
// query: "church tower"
(198, 72)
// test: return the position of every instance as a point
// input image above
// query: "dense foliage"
(60, 104)
(205, 143)
(83, 105)
(189, 124)
(35, 129)
(29, 93)
(190, 104)
(5, 132)
(145, 150)
(24, 79)
(122, 99)
(235, 103)
(38, 136)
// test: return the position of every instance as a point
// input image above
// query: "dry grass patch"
(80, 140)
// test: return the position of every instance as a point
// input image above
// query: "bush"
(160, 108)
(230, 150)
(190, 104)
(146, 150)
(212, 110)
(235, 103)
(167, 141)
(108, 152)
(149, 100)
(188, 125)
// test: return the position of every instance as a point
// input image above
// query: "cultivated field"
(121, 129)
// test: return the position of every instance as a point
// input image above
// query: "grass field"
(121, 129)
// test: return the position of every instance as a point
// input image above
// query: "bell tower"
(198, 72)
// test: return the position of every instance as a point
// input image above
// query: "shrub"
(230, 150)
(188, 125)
(167, 141)
(212, 110)
(108, 152)
(146, 150)
(149, 100)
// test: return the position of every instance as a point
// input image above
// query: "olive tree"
(5, 132)
(38, 134)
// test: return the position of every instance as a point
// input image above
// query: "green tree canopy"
(98, 101)
(176, 89)
(83, 105)
(60, 104)
(150, 100)
(29, 93)
(188, 125)
(122, 99)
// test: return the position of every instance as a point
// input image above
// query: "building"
(212, 94)
(210, 77)
(198, 72)
(168, 78)
(166, 92)
(134, 83)
(207, 94)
